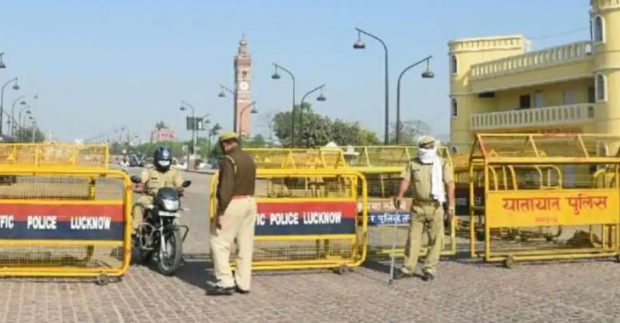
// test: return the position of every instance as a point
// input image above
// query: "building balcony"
(534, 117)
(532, 60)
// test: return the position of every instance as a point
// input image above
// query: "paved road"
(466, 290)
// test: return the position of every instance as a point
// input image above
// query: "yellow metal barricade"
(381, 165)
(63, 212)
(544, 197)
(307, 218)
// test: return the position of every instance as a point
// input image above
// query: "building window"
(453, 65)
(454, 150)
(601, 88)
(599, 30)
(539, 99)
(454, 109)
(525, 101)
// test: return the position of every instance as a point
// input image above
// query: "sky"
(99, 65)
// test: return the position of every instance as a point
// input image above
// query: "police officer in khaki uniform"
(234, 219)
(155, 177)
(431, 177)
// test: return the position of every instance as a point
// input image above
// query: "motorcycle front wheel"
(170, 261)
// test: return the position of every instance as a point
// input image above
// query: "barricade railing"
(381, 165)
(307, 218)
(54, 155)
(544, 197)
(64, 221)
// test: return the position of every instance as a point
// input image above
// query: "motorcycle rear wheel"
(174, 246)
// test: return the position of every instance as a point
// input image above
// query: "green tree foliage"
(318, 130)
(25, 134)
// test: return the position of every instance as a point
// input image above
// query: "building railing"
(546, 57)
(534, 117)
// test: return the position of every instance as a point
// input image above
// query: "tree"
(352, 133)
(161, 125)
(24, 134)
(257, 142)
(409, 130)
(318, 130)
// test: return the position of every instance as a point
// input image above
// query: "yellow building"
(498, 85)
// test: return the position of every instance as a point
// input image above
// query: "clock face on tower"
(244, 86)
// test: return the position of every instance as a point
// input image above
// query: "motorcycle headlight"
(171, 205)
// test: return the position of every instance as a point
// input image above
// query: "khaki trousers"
(139, 209)
(237, 224)
(431, 217)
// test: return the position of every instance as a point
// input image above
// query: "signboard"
(461, 193)
(305, 217)
(551, 207)
(66, 221)
(383, 212)
(194, 123)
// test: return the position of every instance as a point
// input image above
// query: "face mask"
(164, 163)
(427, 156)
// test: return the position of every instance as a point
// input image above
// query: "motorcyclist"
(154, 177)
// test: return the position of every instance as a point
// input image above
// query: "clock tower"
(243, 69)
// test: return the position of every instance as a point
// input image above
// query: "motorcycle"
(160, 234)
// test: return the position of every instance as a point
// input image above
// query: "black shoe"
(427, 277)
(402, 275)
(241, 291)
(221, 291)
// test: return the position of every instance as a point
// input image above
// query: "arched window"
(601, 88)
(454, 109)
(599, 29)
(453, 64)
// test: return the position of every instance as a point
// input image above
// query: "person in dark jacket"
(234, 219)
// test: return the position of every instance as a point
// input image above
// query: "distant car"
(136, 160)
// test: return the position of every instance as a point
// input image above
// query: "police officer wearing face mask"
(155, 177)
(430, 177)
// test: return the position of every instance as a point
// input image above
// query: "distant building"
(498, 85)
(163, 135)
(242, 90)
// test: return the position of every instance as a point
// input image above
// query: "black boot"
(221, 291)
(426, 276)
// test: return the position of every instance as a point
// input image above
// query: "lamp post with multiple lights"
(183, 108)
(15, 87)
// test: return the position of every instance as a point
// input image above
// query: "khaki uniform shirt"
(154, 180)
(419, 177)
(237, 176)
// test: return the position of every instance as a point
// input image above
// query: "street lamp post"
(276, 76)
(222, 89)
(34, 127)
(361, 45)
(22, 121)
(428, 74)
(183, 105)
(253, 111)
(15, 87)
(11, 120)
(320, 98)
